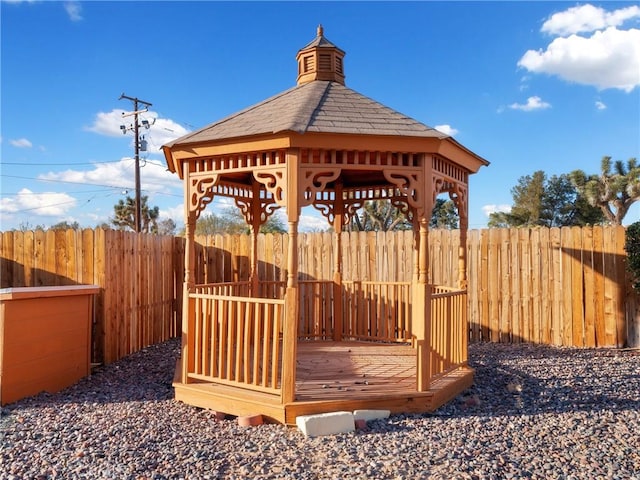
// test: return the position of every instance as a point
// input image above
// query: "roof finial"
(320, 30)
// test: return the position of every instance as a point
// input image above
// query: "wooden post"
(462, 249)
(338, 218)
(256, 221)
(462, 279)
(422, 310)
(290, 327)
(188, 304)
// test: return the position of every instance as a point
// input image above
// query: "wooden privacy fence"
(140, 278)
(554, 286)
(557, 286)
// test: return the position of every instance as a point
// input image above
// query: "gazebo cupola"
(320, 60)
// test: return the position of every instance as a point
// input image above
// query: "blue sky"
(529, 86)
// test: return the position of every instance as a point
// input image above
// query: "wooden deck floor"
(329, 370)
(335, 376)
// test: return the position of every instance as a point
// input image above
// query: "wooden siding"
(44, 339)
(553, 286)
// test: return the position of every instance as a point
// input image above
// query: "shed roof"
(319, 106)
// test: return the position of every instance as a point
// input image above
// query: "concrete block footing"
(368, 415)
(326, 423)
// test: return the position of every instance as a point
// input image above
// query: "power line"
(79, 163)
(10, 194)
(67, 181)
(44, 206)
(59, 164)
(117, 187)
(52, 205)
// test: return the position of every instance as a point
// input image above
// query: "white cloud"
(533, 103)
(607, 59)
(312, 223)
(51, 204)
(164, 130)
(74, 10)
(600, 105)
(175, 213)
(489, 209)
(154, 176)
(108, 123)
(587, 18)
(21, 143)
(446, 129)
(161, 130)
(590, 48)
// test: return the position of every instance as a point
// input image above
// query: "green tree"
(632, 247)
(547, 202)
(527, 202)
(65, 226)
(444, 215)
(125, 215)
(379, 215)
(26, 226)
(211, 224)
(614, 190)
(231, 221)
(274, 224)
(167, 227)
(382, 215)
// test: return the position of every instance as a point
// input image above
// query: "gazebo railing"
(316, 307)
(235, 340)
(448, 330)
(379, 311)
(233, 289)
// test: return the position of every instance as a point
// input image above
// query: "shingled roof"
(319, 106)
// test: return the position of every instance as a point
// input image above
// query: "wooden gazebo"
(247, 347)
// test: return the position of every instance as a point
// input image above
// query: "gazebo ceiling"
(319, 112)
(349, 178)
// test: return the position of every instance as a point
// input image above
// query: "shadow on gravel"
(526, 379)
(146, 375)
(521, 379)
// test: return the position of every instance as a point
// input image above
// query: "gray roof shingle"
(318, 106)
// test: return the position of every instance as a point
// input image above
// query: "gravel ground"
(534, 412)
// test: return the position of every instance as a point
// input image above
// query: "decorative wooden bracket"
(315, 180)
(201, 191)
(267, 207)
(401, 204)
(326, 206)
(457, 192)
(410, 185)
(351, 206)
(274, 181)
(459, 196)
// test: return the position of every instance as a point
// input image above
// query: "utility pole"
(136, 102)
